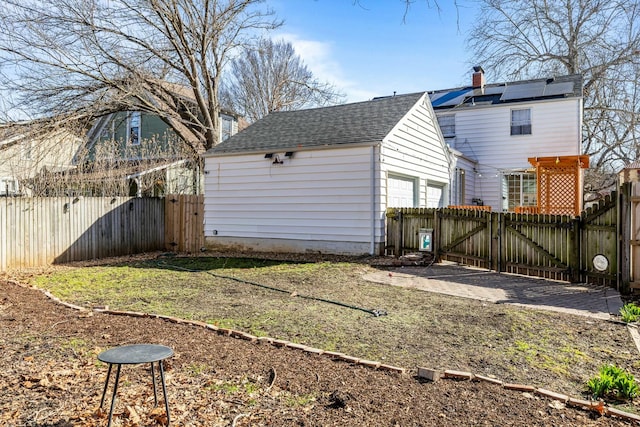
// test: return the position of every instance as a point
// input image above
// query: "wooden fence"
(559, 247)
(50, 230)
(41, 231)
(184, 223)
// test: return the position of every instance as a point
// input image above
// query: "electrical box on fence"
(425, 239)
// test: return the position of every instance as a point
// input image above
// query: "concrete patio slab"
(502, 288)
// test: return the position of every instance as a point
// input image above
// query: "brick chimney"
(478, 77)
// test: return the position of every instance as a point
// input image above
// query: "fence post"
(573, 261)
(494, 247)
(502, 233)
(399, 235)
(624, 230)
(437, 227)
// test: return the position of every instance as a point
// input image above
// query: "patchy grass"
(328, 305)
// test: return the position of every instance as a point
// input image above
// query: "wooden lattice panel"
(557, 193)
(560, 183)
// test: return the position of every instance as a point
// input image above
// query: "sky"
(372, 48)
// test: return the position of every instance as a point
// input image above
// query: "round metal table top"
(135, 353)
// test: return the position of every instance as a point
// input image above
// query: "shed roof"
(569, 86)
(360, 122)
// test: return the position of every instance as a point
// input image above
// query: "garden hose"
(374, 312)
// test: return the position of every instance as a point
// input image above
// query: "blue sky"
(372, 49)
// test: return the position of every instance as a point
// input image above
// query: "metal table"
(131, 355)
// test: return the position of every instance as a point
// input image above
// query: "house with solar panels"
(321, 179)
(497, 131)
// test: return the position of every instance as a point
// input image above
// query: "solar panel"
(493, 90)
(449, 99)
(523, 91)
(561, 88)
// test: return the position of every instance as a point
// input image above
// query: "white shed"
(321, 179)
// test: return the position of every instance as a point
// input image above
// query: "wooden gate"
(539, 245)
(560, 247)
(464, 236)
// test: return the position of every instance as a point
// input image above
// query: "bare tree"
(272, 77)
(599, 39)
(88, 58)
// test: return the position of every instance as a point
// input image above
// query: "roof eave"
(285, 149)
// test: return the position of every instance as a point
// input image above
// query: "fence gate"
(539, 245)
(559, 247)
(464, 236)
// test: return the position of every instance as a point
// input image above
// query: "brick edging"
(591, 405)
(422, 373)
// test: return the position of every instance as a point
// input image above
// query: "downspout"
(372, 192)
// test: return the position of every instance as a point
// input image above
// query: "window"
(447, 125)
(226, 123)
(519, 189)
(7, 187)
(459, 187)
(521, 122)
(26, 150)
(134, 128)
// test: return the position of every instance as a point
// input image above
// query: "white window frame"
(519, 178)
(521, 122)
(226, 126)
(133, 127)
(460, 186)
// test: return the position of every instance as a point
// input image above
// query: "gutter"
(263, 150)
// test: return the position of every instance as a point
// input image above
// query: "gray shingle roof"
(361, 122)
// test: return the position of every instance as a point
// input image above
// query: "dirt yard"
(50, 377)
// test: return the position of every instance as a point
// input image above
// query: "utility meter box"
(425, 239)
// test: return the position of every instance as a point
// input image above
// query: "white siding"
(318, 197)
(484, 134)
(29, 157)
(330, 200)
(416, 149)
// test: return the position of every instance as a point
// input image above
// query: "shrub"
(613, 381)
(630, 312)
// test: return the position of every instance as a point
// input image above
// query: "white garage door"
(434, 196)
(401, 192)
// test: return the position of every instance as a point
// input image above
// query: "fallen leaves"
(51, 377)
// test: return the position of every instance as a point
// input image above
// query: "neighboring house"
(321, 179)
(26, 153)
(146, 152)
(493, 129)
(142, 151)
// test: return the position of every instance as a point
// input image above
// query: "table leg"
(153, 379)
(106, 385)
(164, 392)
(113, 399)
